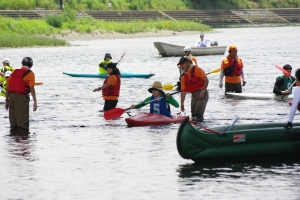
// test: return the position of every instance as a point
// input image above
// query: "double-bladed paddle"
(120, 58)
(169, 86)
(117, 112)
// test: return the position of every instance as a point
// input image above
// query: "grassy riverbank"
(22, 32)
(147, 5)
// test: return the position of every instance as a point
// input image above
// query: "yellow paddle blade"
(168, 86)
(215, 71)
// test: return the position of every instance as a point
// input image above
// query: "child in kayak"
(162, 103)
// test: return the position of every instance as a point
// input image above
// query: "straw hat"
(156, 86)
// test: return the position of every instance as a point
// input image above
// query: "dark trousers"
(233, 87)
(109, 104)
(18, 110)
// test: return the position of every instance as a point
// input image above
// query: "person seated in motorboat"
(162, 103)
(103, 64)
(283, 83)
(187, 54)
(203, 42)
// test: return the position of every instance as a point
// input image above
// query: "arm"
(6, 99)
(32, 91)
(182, 98)
(221, 79)
(294, 106)
(277, 85)
(172, 101)
(141, 104)
(106, 85)
(204, 90)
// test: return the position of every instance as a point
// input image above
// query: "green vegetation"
(147, 4)
(25, 32)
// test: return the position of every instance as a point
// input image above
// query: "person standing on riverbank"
(296, 101)
(19, 85)
(6, 67)
(111, 87)
(232, 68)
(194, 76)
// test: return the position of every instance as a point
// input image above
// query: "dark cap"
(287, 66)
(111, 65)
(27, 61)
(183, 60)
(107, 55)
(201, 34)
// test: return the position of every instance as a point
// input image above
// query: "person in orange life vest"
(196, 77)
(111, 87)
(232, 68)
(19, 85)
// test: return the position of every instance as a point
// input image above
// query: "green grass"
(147, 4)
(21, 32)
(20, 40)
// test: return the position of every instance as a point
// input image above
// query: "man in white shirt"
(203, 42)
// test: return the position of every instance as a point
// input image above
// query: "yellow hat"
(231, 47)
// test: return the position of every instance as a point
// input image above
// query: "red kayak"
(147, 119)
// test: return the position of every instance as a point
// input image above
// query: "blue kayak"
(95, 75)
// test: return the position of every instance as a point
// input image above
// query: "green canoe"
(242, 142)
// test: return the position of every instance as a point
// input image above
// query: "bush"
(55, 20)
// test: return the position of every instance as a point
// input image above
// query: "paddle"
(120, 58)
(288, 74)
(169, 86)
(230, 127)
(117, 112)
(288, 89)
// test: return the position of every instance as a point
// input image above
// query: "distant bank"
(214, 18)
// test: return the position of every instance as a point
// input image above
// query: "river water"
(73, 153)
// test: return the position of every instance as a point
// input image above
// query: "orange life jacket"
(237, 68)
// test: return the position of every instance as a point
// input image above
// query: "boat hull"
(95, 75)
(259, 96)
(165, 50)
(148, 119)
(247, 141)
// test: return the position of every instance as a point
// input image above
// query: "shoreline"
(73, 36)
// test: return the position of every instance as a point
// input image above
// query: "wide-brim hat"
(156, 86)
(107, 55)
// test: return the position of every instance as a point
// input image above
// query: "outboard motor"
(214, 43)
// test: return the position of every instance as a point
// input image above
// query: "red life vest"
(17, 84)
(197, 82)
(237, 68)
(112, 90)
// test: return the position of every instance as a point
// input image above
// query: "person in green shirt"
(159, 101)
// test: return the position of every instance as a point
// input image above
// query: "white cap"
(6, 60)
(187, 48)
(8, 73)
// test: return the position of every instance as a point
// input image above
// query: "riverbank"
(74, 36)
